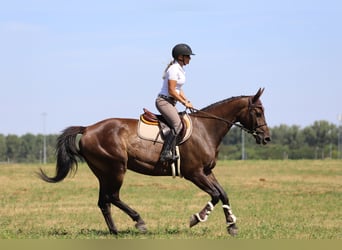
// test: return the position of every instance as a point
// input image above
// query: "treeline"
(318, 141)
(28, 148)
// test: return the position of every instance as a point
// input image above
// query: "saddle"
(155, 128)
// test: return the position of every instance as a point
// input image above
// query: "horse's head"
(253, 119)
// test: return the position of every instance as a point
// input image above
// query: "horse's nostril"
(268, 139)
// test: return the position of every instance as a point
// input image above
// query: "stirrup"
(168, 157)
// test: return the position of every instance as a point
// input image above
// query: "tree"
(3, 148)
(28, 151)
(12, 145)
(319, 136)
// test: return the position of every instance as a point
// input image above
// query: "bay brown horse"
(112, 146)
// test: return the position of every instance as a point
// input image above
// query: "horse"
(111, 146)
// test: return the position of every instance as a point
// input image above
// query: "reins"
(208, 115)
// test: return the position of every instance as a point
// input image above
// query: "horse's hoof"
(141, 226)
(193, 220)
(232, 230)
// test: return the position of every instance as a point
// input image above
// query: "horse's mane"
(221, 102)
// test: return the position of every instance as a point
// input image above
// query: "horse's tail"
(67, 152)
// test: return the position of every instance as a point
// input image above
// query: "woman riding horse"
(112, 146)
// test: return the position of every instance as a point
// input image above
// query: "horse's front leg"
(204, 183)
(230, 220)
(210, 185)
(230, 217)
(202, 216)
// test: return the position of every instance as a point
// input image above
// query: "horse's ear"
(258, 94)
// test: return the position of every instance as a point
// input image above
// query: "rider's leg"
(170, 113)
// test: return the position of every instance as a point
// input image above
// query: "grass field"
(271, 199)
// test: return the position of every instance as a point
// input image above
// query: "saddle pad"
(152, 133)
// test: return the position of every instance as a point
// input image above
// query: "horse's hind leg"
(109, 193)
(106, 212)
(140, 224)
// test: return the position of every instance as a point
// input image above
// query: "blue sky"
(84, 61)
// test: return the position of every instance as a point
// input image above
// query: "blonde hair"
(167, 67)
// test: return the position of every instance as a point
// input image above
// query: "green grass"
(272, 200)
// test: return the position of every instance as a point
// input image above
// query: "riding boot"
(168, 151)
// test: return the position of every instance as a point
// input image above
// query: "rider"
(171, 92)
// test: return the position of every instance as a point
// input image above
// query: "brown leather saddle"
(158, 120)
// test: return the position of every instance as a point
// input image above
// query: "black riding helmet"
(181, 49)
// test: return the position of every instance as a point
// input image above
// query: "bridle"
(251, 107)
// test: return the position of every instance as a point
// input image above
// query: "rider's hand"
(188, 105)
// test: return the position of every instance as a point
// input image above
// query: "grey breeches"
(170, 113)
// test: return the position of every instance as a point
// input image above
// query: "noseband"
(251, 107)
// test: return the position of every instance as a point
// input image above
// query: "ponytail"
(167, 67)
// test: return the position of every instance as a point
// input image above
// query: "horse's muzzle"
(266, 140)
(262, 139)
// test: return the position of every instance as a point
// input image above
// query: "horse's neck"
(229, 111)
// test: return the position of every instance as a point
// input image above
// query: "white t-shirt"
(174, 72)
